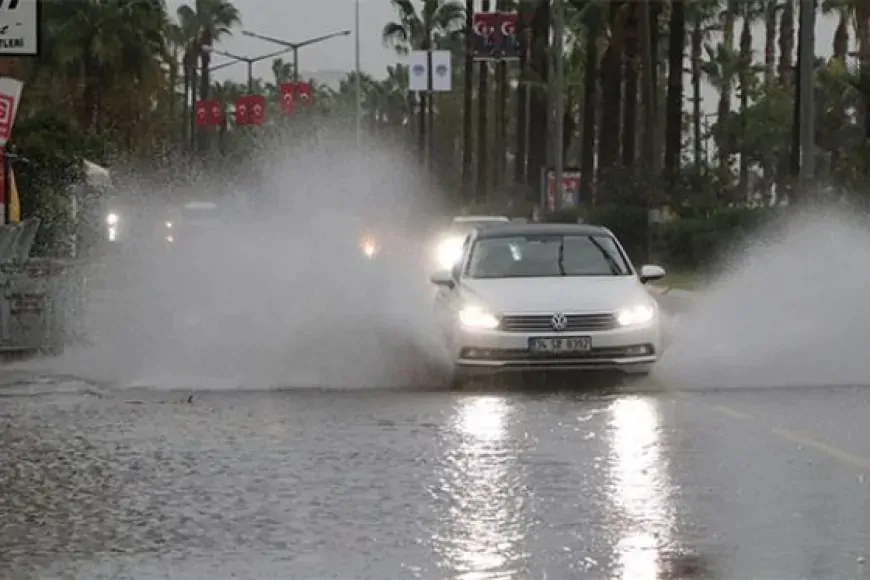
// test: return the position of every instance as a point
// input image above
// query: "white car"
(537, 297)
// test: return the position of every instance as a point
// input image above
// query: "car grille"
(543, 322)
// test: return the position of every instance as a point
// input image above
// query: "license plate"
(564, 345)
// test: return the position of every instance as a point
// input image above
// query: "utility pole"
(559, 98)
(357, 68)
(806, 89)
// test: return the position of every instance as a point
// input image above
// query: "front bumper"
(630, 350)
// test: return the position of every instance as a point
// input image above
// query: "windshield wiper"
(561, 258)
(614, 267)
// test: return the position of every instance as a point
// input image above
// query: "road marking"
(840, 454)
(731, 412)
(801, 439)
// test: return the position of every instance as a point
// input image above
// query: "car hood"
(557, 294)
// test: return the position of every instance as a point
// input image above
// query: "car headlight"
(477, 318)
(640, 314)
(168, 225)
(112, 219)
(449, 252)
(369, 247)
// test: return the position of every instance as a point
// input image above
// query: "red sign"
(243, 112)
(208, 113)
(7, 116)
(288, 97)
(2, 179)
(496, 36)
(305, 94)
(568, 195)
(257, 109)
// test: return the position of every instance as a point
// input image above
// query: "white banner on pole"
(442, 71)
(418, 71)
(10, 97)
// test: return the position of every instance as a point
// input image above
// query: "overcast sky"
(298, 20)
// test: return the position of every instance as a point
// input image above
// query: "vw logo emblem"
(559, 322)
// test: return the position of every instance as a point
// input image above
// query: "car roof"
(537, 229)
(481, 218)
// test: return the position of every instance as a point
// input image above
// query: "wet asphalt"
(401, 484)
(651, 481)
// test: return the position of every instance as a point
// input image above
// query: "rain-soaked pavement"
(382, 484)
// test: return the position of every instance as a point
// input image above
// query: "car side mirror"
(650, 272)
(443, 278)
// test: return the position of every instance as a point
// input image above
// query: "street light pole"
(559, 99)
(249, 61)
(295, 46)
(357, 68)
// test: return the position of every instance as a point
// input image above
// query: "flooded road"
(383, 484)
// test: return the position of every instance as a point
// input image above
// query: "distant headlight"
(112, 219)
(449, 252)
(636, 315)
(369, 247)
(168, 225)
(474, 317)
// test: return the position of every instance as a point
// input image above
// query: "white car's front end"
(560, 328)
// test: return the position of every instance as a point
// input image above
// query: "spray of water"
(790, 311)
(282, 295)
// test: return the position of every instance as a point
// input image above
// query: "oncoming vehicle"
(536, 297)
(449, 246)
(191, 218)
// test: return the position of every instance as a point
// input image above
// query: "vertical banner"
(304, 93)
(243, 112)
(486, 28)
(442, 71)
(566, 196)
(418, 71)
(257, 109)
(208, 113)
(510, 35)
(288, 97)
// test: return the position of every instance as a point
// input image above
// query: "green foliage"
(51, 151)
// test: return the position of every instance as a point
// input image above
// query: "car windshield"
(546, 255)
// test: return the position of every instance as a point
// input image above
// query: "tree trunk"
(204, 87)
(539, 117)
(629, 112)
(611, 93)
(590, 104)
(674, 114)
(520, 169)
(770, 9)
(745, 64)
(482, 125)
(467, 105)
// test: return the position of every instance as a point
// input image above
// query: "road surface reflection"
(640, 489)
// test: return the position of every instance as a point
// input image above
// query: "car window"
(544, 256)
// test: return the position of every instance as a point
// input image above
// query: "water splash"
(791, 311)
(282, 296)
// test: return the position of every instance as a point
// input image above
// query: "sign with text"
(19, 27)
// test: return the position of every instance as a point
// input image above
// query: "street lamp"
(295, 46)
(250, 62)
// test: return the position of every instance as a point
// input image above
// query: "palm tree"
(212, 20)
(414, 30)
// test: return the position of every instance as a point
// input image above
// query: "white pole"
(358, 80)
(559, 99)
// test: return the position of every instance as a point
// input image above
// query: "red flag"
(288, 97)
(216, 113)
(257, 105)
(202, 113)
(243, 112)
(305, 95)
